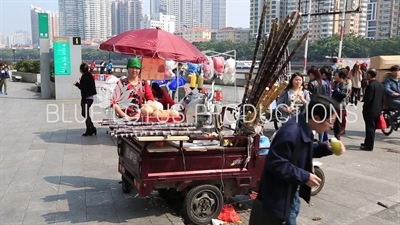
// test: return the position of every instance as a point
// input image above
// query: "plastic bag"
(192, 68)
(229, 214)
(104, 93)
(176, 83)
(208, 69)
(381, 124)
(170, 65)
(168, 73)
(230, 66)
(219, 63)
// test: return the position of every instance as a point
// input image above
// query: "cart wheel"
(202, 203)
(316, 189)
(126, 187)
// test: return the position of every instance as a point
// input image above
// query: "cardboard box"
(381, 75)
(384, 62)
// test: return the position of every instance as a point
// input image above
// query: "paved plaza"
(50, 174)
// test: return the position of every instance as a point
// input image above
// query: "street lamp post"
(14, 54)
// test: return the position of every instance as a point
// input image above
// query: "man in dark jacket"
(4, 75)
(372, 109)
(288, 168)
(392, 89)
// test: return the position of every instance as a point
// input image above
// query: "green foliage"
(353, 47)
(33, 66)
(27, 66)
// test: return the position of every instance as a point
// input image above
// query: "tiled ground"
(49, 174)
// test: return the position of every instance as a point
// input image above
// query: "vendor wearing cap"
(131, 92)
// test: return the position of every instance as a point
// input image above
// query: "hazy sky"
(15, 14)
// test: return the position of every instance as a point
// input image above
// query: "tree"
(353, 47)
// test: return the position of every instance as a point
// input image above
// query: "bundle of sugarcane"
(273, 64)
(271, 96)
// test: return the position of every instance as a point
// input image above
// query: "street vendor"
(131, 92)
(162, 96)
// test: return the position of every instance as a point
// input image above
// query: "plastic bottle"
(200, 83)
(193, 80)
(264, 145)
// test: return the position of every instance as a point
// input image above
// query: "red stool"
(218, 95)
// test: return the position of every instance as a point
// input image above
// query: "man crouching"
(287, 174)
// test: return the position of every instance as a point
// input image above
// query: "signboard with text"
(62, 56)
(76, 40)
(43, 22)
(152, 69)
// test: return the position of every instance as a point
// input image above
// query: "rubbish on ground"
(383, 205)
(316, 218)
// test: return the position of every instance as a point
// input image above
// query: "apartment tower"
(88, 19)
(126, 15)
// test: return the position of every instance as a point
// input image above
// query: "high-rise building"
(188, 13)
(321, 26)
(218, 14)
(88, 19)
(126, 15)
(54, 29)
(164, 22)
(383, 19)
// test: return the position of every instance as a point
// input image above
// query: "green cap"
(134, 63)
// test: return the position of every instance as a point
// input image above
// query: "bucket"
(218, 95)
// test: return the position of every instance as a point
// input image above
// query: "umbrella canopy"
(154, 43)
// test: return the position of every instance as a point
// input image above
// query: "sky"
(15, 14)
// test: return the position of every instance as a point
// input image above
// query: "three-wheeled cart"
(206, 169)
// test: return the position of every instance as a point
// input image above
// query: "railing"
(121, 70)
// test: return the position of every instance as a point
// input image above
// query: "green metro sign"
(43, 25)
(62, 56)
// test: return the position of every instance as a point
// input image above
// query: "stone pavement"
(49, 174)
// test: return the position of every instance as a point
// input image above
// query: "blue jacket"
(4, 74)
(390, 86)
(279, 172)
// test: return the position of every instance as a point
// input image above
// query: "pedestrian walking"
(340, 92)
(372, 109)
(87, 86)
(356, 79)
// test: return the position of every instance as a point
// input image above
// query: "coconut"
(157, 113)
(157, 106)
(164, 114)
(146, 110)
(173, 113)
